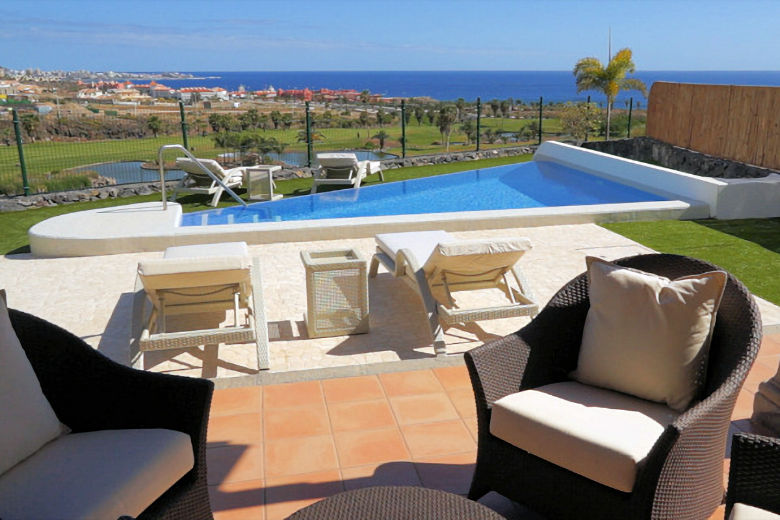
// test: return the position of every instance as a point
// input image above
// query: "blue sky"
(170, 35)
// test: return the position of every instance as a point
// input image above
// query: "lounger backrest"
(193, 279)
(338, 165)
(475, 260)
(188, 165)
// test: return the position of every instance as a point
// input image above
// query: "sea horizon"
(525, 85)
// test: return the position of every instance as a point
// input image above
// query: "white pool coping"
(147, 227)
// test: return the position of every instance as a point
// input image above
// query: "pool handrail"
(208, 172)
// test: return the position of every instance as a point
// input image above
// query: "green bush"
(66, 183)
(11, 187)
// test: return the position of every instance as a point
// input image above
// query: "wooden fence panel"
(714, 128)
(735, 122)
(772, 151)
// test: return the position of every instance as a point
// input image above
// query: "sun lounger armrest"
(90, 392)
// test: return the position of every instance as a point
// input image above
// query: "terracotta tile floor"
(275, 449)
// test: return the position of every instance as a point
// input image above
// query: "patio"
(274, 449)
(93, 298)
(340, 413)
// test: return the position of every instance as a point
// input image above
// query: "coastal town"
(31, 85)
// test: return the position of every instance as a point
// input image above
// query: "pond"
(128, 172)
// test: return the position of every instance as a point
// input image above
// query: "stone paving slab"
(93, 296)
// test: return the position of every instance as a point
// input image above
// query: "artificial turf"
(747, 248)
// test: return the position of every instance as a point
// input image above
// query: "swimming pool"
(534, 184)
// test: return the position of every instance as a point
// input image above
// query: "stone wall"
(68, 197)
(128, 190)
(653, 151)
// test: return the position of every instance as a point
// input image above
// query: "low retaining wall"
(423, 160)
(659, 153)
(40, 200)
(129, 190)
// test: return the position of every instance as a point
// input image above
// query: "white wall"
(726, 198)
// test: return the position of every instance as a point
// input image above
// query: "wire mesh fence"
(77, 145)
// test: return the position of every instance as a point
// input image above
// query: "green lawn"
(15, 224)
(749, 248)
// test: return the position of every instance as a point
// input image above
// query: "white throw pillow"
(646, 335)
(27, 420)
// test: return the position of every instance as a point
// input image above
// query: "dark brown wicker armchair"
(754, 474)
(90, 392)
(681, 477)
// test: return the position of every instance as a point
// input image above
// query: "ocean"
(553, 86)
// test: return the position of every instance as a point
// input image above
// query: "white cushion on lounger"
(27, 420)
(188, 165)
(100, 475)
(198, 258)
(746, 512)
(597, 433)
(421, 243)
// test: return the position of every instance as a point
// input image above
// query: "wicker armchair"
(754, 474)
(682, 477)
(89, 392)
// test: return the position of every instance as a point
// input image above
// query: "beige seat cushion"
(597, 433)
(100, 475)
(746, 512)
(27, 420)
(646, 335)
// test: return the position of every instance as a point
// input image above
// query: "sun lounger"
(196, 180)
(436, 263)
(203, 278)
(343, 169)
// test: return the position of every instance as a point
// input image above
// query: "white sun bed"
(197, 279)
(435, 262)
(343, 169)
(196, 180)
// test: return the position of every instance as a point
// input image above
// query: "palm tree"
(154, 124)
(381, 135)
(592, 75)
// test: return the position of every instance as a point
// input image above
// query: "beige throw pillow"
(27, 420)
(646, 335)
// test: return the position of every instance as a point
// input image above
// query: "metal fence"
(82, 145)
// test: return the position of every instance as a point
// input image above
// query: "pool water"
(526, 185)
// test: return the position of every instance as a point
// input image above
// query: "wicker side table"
(336, 292)
(259, 182)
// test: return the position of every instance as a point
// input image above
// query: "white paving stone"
(92, 297)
